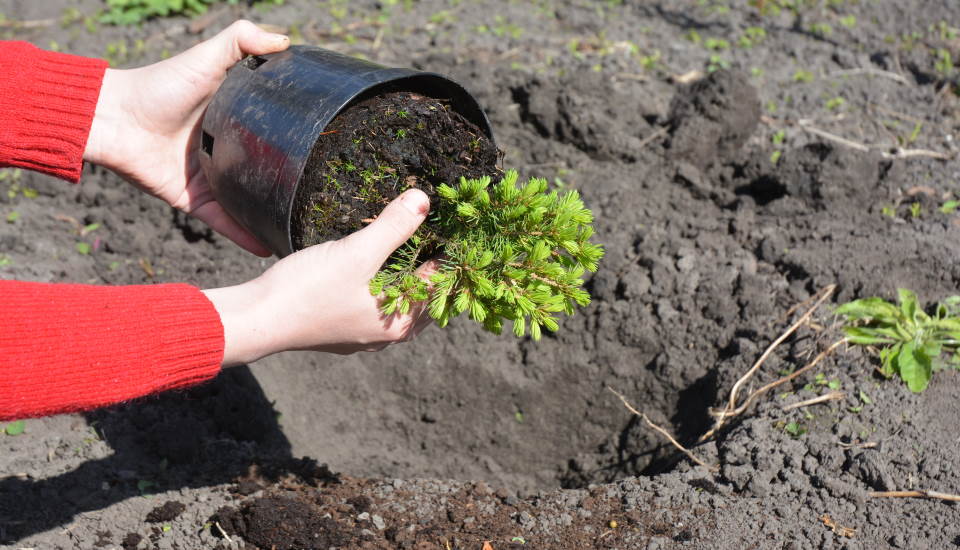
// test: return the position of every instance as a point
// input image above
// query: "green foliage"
(752, 36)
(716, 63)
(509, 252)
(916, 210)
(795, 429)
(15, 428)
(803, 75)
(132, 12)
(821, 29)
(835, 103)
(912, 343)
(716, 44)
(944, 62)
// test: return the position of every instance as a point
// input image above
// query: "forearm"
(47, 102)
(69, 348)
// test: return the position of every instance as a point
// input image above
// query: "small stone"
(378, 522)
(364, 516)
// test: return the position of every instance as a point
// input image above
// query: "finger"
(220, 221)
(251, 39)
(428, 268)
(233, 43)
(397, 223)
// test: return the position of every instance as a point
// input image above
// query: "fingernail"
(416, 202)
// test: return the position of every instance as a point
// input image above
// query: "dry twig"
(753, 396)
(652, 137)
(834, 138)
(222, 532)
(664, 432)
(732, 409)
(837, 529)
(832, 396)
(915, 494)
(901, 153)
(873, 72)
(29, 24)
(898, 153)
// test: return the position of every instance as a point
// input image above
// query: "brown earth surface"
(723, 199)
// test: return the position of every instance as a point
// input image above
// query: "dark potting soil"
(378, 148)
(168, 511)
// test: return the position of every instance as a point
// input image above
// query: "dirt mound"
(711, 119)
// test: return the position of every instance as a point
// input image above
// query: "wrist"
(248, 332)
(107, 119)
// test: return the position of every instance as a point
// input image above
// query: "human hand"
(319, 297)
(146, 123)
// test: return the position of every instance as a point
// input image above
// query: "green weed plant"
(912, 344)
(508, 253)
(133, 12)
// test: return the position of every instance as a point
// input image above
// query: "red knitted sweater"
(68, 347)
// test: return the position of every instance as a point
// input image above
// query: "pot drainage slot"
(253, 62)
(206, 143)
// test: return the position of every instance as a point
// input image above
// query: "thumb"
(397, 223)
(235, 42)
(251, 39)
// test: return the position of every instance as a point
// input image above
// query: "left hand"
(145, 126)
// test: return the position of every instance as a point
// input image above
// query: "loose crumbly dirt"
(376, 149)
(722, 202)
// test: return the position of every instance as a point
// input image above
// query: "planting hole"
(253, 62)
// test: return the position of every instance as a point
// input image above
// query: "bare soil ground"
(792, 163)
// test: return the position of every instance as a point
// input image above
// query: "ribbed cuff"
(68, 348)
(47, 103)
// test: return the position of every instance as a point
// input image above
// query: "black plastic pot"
(263, 122)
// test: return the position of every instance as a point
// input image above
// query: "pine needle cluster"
(508, 253)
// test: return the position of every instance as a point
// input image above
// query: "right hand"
(319, 298)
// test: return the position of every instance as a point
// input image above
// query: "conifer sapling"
(507, 252)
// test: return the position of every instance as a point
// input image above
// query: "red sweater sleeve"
(65, 347)
(69, 347)
(47, 101)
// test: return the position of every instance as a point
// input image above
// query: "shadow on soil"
(203, 437)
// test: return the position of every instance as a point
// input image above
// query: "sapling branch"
(508, 252)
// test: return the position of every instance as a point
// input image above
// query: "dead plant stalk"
(662, 431)
(915, 494)
(732, 409)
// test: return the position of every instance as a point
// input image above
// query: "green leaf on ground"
(15, 428)
(909, 341)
